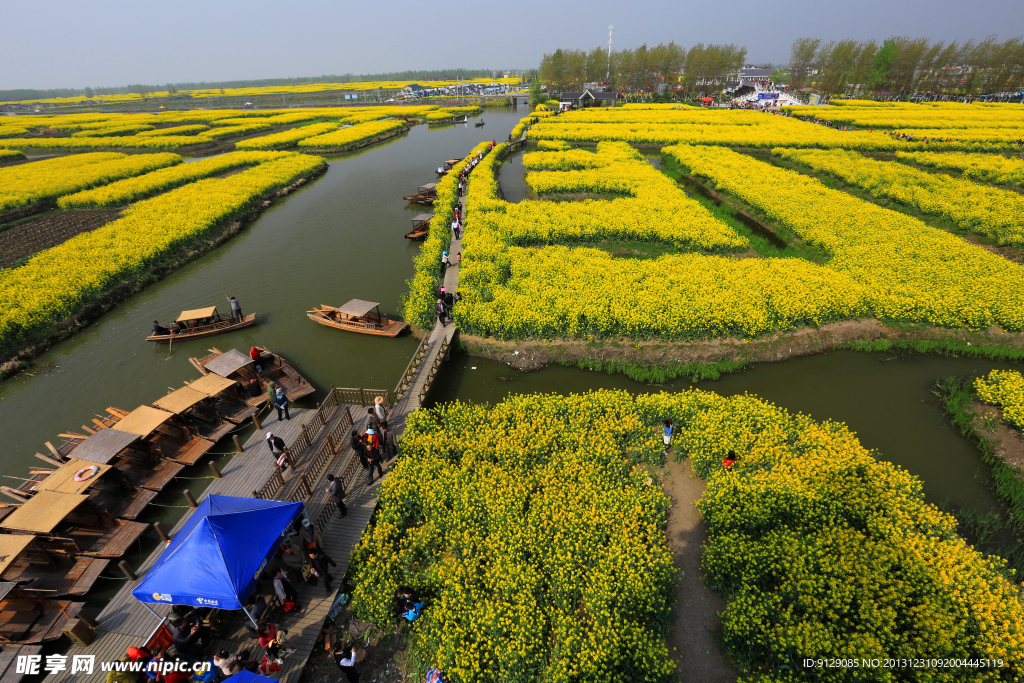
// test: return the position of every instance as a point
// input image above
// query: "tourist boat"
(448, 165)
(202, 322)
(27, 619)
(165, 434)
(426, 195)
(198, 411)
(237, 366)
(357, 316)
(420, 227)
(37, 570)
(479, 124)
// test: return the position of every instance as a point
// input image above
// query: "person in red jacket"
(730, 460)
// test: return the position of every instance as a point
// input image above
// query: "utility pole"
(608, 71)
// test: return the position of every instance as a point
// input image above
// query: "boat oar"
(170, 347)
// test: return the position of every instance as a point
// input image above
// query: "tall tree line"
(903, 65)
(700, 68)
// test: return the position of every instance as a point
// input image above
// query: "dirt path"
(695, 623)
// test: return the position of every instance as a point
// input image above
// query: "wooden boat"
(479, 124)
(198, 411)
(237, 366)
(357, 316)
(229, 398)
(448, 165)
(121, 483)
(66, 520)
(201, 322)
(420, 227)
(41, 572)
(25, 618)
(166, 434)
(426, 196)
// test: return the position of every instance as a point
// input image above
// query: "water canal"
(341, 237)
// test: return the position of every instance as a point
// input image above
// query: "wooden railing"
(313, 425)
(363, 397)
(412, 367)
(273, 486)
(435, 364)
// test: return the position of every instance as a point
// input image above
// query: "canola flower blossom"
(353, 135)
(531, 532)
(133, 189)
(1004, 388)
(38, 181)
(979, 208)
(991, 168)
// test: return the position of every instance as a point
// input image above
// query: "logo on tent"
(162, 596)
(205, 601)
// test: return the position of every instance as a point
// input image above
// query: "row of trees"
(904, 65)
(701, 68)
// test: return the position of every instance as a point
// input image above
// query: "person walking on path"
(276, 445)
(236, 308)
(669, 430)
(373, 455)
(360, 449)
(281, 403)
(379, 409)
(336, 492)
(444, 262)
(372, 420)
(440, 309)
(387, 440)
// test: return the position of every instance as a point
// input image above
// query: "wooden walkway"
(125, 622)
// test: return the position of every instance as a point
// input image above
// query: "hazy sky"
(55, 43)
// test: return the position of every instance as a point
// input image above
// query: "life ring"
(87, 473)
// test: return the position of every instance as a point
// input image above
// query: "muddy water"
(886, 399)
(340, 238)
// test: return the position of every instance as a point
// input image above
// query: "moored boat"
(426, 195)
(357, 316)
(199, 322)
(420, 227)
(271, 367)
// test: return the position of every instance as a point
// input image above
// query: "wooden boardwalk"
(125, 622)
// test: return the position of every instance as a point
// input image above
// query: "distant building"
(747, 73)
(588, 98)
(411, 90)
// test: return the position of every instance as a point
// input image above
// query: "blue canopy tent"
(217, 557)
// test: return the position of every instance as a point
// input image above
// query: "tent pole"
(151, 611)
(251, 619)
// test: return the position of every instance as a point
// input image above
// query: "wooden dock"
(125, 622)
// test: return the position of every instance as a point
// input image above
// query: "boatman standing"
(236, 308)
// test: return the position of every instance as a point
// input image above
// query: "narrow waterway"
(885, 398)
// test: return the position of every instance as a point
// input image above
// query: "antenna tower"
(608, 72)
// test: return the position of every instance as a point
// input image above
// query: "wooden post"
(216, 471)
(362, 397)
(330, 443)
(305, 484)
(238, 444)
(191, 499)
(90, 621)
(348, 411)
(79, 631)
(305, 433)
(127, 569)
(255, 494)
(162, 532)
(256, 420)
(288, 456)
